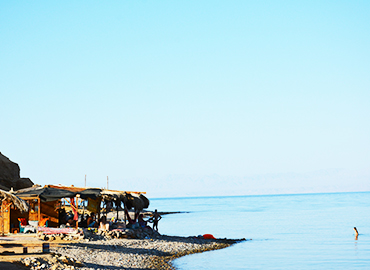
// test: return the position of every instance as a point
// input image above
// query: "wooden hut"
(45, 203)
(10, 203)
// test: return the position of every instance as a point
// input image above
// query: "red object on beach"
(208, 236)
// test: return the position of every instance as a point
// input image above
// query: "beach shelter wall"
(9, 201)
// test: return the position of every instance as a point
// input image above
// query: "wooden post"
(77, 211)
(45, 248)
(99, 210)
(39, 214)
(83, 207)
(2, 218)
(6, 216)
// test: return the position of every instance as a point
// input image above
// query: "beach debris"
(85, 234)
(208, 236)
(75, 234)
(139, 233)
(56, 262)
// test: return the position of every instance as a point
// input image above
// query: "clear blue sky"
(162, 95)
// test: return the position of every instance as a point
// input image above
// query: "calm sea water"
(313, 231)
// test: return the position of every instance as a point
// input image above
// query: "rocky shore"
(115, 253)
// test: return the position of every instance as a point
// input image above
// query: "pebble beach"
(117, 249)
(155, 253)
(136, 253)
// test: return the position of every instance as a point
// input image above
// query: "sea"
(300, 231)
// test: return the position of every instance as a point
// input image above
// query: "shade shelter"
(84, 193)
(8, 200)
(45, 201)
(129, 199)
(45, 194)
(47, 204)
(92, 195)
(44, 204)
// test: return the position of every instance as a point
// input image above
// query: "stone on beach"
(123, 253)
(138, 253)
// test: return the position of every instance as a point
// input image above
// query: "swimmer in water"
(356, 232)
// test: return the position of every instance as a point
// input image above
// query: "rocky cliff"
(10, 177)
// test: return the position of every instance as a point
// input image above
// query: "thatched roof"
(130, 199)
(44, 193)
(84, 193)
(18, 202)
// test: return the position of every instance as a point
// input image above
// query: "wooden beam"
(78, 189)
(28, 198)
(74, 207)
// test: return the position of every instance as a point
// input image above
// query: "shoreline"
(142, 249)
(118, 253)
(156, 253)
(165, 262)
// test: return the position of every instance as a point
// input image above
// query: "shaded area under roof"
(52, 193)
(130, 200)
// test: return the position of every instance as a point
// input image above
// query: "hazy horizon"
(190, 97)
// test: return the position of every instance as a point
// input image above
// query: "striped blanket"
(47, 230)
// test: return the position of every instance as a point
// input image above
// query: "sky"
(188, 98)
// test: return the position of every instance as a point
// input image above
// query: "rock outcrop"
(10, 177)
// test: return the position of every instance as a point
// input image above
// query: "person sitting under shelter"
(83, 222)
(131, 222)
(142, 222)
(62, 217)
(91, 222)
(103, 224)
(115, 224)
(71, 222)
